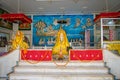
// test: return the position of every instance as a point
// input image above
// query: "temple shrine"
(60, 47)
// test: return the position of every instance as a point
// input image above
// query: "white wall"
(3, 49)
(113, 62)
(7, 31)
(7, 62)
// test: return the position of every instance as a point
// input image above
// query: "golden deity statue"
(18, 41)
(61, 44)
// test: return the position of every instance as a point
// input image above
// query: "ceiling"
(60, 6)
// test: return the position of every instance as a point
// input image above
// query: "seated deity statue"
(18, 41)
(61, 44)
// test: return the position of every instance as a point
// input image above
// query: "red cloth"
(16, 17)
(89, 54)
(37, 55)
(46, 55)
(107, 15)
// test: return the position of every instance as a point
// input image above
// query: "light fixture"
(111, 22)
(62, 21)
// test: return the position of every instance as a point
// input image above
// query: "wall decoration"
(25, 26)
(4, 23)
(4, 37)
(46, 27)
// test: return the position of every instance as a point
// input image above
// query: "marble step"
(71, 63)
(68, 76)
(50, 69)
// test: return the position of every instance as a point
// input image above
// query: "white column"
(15, 26)
(101, 32)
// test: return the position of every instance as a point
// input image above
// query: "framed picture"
(4, 39)
(25, 26)
(4, 23)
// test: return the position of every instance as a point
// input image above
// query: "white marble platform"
(70, 63)
(72, 71)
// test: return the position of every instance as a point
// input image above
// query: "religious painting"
(5, 23)
(45, 28)
(25, 26)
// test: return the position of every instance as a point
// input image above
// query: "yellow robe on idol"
(61, 43)
(19, 41)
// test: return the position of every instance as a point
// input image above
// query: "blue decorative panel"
(45, 28)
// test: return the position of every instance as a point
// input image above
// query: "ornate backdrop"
(45, 28)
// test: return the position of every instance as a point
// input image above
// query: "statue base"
(57, 57)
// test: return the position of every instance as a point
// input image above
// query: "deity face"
(61, 37)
